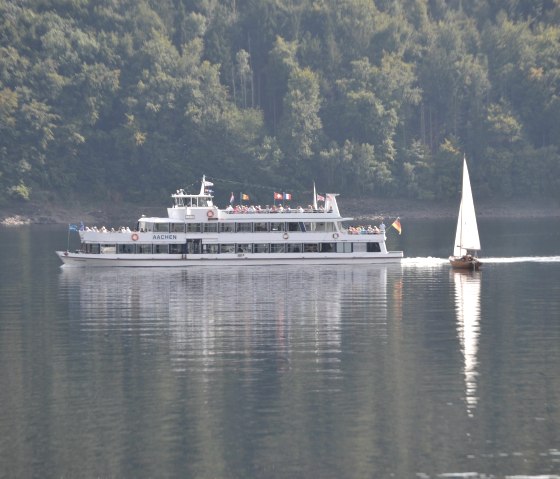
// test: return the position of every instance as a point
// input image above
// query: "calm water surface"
(399, 371)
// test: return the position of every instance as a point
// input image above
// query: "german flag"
(397, 225)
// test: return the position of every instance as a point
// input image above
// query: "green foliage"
(301, 123)
(365, 96)
(19, 192)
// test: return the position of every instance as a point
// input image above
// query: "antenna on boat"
(314, 198)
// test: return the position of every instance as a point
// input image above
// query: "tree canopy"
(140, 97)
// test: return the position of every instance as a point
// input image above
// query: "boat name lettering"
(165, 237)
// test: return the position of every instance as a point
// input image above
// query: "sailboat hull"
(465, 262)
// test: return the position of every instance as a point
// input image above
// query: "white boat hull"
(176, 260)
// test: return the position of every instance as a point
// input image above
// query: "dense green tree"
(128, 98)
(301, 125)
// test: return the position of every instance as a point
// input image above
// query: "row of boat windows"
(235, 227)
(196, 247)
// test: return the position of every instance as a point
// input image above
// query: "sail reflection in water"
(234, 317)
(467, 307)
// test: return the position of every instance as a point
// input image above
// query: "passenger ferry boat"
(197, 232)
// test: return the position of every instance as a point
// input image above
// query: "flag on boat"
(232, 198)
(278, 196)
(397, 225)
(208, 183)
(82, 226)
(72, 227)
(287, 196)
(209, 191)
(244, 197)
(320, 198)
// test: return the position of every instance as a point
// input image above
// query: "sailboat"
(467, 242)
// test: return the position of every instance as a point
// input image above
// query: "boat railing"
(365, 231)
(274, 211)
(125, 230)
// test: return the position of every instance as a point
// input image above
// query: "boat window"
(144, 248)
(161, 249)
(125, 248)
(373, 247)
(360, 247)
(141, 226)
(193, 227)
(293, 226)
(161, 227)
(227, 227)
(293, 247)
(210, 227)
(277, 248)
(92, 248)
(327, 247)
(177, 227)
(260, 248)
(193, 246)
(244, 227)
(227, 248)
(148, 227)
(177, 248)
(210, 249)
(321, 226)
(108, 248)
(344, 247)
(243, 248)
(310, 247)
(261, 226)
(276, 226)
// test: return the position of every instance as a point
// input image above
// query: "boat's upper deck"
(200, 207)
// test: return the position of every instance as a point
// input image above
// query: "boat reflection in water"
(210, 316)
(467, 308)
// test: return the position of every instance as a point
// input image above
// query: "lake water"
(404, 371)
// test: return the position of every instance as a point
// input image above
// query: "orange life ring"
(285, 235)
(335, 235)
(134, 237)
(210, 214)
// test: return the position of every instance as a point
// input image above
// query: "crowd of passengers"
(274, 209)
(121, 229)
(366, 230)
(352, 230)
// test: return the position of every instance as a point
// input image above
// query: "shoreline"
(359, 208)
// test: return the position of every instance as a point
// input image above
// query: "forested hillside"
(367, 97)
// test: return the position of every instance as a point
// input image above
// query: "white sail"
(466, 237)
